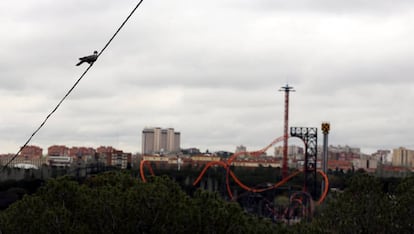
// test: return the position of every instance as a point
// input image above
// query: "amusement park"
(261, 197)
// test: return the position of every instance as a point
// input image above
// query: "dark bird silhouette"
(88, 59)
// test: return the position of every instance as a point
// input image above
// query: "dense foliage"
(118, 203)
(367, 206)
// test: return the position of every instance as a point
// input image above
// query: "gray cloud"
(211, 70)
(351, 7)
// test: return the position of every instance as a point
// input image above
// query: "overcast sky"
(209, 69)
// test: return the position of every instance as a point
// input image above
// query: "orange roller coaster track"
(229, 173)
(254, 190)
(141, 169)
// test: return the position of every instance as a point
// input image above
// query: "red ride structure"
(226, 165)
(286, 89)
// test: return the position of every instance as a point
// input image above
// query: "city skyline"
(215, 79)
(276, 150)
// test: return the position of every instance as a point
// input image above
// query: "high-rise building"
(160, 141)
(403, 157)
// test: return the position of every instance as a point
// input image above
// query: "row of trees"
(116, 202)
(368, 205)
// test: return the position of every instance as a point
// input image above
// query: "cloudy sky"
(209, 69)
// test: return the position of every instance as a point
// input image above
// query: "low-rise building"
(190, 151)
(294, 152)
(60, 161)
(31, 152)
(81, 152)
(257, 163)
(205, 158)
(120, 159)
(339, 165)
(113, 157)
(365, 164)
(19, 161)
(58, 150)
(345, 153)
(383, 156)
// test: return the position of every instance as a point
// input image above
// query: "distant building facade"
(383, 156)
(63, 156)
(343, 152)
(113, 157)
(31, 152)
(294, 152)
(160, 141)
(339, 165)
(81, 152)
(59, 161)
(403, 157)
(120, 159)
(24, 159)
(365, 163)
(58, 150)
(241, 148)
(190, 151)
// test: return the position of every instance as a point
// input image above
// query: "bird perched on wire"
(88, 59)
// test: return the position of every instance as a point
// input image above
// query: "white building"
(60, 161)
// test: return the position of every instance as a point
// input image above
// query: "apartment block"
(105, 154)
(403, 157)
(80, 152)
(58, 150)
(120, 159)
(160, 141)
(31, 152)
(113, 157)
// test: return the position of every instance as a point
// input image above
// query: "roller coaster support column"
(325, 130)
(286, 89)
(310, 138)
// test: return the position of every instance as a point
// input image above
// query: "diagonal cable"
(72, 88)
